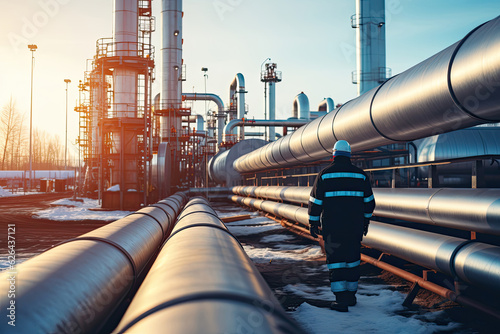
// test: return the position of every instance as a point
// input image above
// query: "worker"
(342, 203)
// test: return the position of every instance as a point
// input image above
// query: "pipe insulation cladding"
(464, 209)
(473, 262)
(77, 285)
(203, 282)
(454, 89)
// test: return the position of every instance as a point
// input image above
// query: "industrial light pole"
(205, 75)
(265, 95)
(32, 48)
(67, 81)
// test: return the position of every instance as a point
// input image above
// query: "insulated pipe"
(456, 88)
(75, 286)
(238, 86)
(228, 129)
(301, 107)
(326, 105)
(221, 165)
(464, 209)
(203, 273)
(473, 262)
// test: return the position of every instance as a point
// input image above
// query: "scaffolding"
(116, 137)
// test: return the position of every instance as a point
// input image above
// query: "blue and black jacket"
(341, 199)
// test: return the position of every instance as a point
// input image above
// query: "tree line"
(47, 149)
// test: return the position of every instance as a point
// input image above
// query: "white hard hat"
(342, 145)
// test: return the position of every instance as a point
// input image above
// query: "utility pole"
(67, 81)
(32, 48)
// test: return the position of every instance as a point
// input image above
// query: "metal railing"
(381, 76)
(107, 47)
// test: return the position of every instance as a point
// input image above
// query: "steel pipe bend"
(460, 90)
(77, 285)
(202, 271)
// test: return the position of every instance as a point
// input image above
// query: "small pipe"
(432, 287)
(260, 122)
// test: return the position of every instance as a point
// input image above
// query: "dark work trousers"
(343, 255)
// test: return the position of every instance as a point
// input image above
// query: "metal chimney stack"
(125, 39)
(369, 22)
(171, 51)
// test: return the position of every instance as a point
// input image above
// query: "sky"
(311, 41)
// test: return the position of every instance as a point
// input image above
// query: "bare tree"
(10, 124)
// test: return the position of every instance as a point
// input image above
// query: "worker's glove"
(314, 230)
(365, 227)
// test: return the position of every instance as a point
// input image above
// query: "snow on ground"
(4, 192)
(7, 193)
(252, 226)
(262, 255)
(69, 210)
(247, 230)
(224, 213)
(276, 238)
(376, 312)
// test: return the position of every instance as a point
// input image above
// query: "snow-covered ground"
(377, 311)
(379, 308)
(7, 193)
(69, 210)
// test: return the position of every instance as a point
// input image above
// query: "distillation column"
(369, 22)
(125, 38)
(171, 85)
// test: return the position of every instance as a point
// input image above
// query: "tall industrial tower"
(115, 120)
(369, 22)
(270, 77)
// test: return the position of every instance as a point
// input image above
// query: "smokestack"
(369, 22)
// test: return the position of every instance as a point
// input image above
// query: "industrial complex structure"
(432, 151)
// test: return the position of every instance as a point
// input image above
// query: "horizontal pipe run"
(473, 262)
(464, 209)
(228, 129)
(77, 285)
(456, 88)
(202, 272)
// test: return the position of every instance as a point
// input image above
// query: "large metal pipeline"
(473, 262)
(454, 89)
(203, 282)
(326, 105)
(221, 165)
(301, 107)
(464, 209)
(75, 286)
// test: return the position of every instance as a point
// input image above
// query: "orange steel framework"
(116, 140)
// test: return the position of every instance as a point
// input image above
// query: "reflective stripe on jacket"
(341, 198)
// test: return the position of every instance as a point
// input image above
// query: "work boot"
(340, 307)
(350, 299)
(340, 304)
